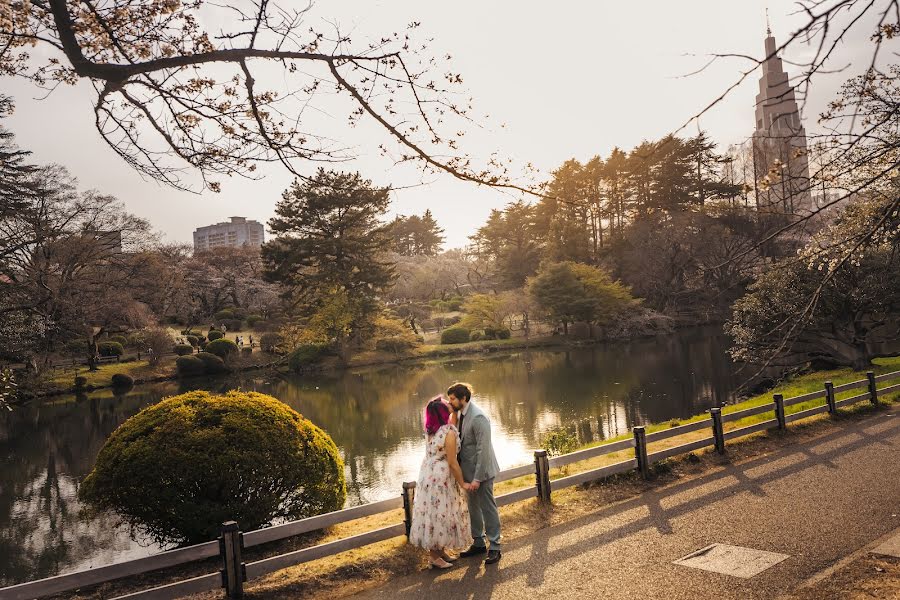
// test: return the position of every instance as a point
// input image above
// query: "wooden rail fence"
(230, 545)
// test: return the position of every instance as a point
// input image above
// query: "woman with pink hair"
(440, 519)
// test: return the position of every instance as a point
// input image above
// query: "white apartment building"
(238, 232)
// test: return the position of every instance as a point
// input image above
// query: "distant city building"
(234, 234)
(780, 156)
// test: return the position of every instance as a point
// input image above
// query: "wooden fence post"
(542, 475)
(829, 397)
(409, 497)
(718, 431)
(640, 451)
(779, 411)
(234, 573)
(873, 392)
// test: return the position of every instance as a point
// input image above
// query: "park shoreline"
(367, 359)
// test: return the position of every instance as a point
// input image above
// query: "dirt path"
(817, 501)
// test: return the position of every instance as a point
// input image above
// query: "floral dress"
(440, 516)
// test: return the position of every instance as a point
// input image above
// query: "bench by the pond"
(233, 541)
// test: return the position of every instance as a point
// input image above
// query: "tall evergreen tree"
(416, 236)
(329, 239)
(430, 237)
(511, 239)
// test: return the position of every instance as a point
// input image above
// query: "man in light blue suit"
(479, 467)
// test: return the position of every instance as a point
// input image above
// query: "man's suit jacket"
(476, 453)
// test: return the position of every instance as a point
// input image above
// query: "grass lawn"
(137, 369)
(427, 351)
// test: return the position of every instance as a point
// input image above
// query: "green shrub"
(503, 334)
(78, 347)
(455, 335)
(397, 343)
(121, 339)
(214, 334)
(246, 350)
(193, 340)
(268, 342)
(490, 333)
(122, 380)
(306, 355)
(233, 324)
(110, 349)
(188, 366)
(222, 348)
(137, 339)
(184, 349)
(212, 363)
(80, 382)
(475, 336)
(254, 319)
(178, 469)
(224, 314)
(454, 305)
(559, 441)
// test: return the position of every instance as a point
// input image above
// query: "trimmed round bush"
(455, 335)
(222, 348)
(396, 343)
(188, 366)
(254, 319)
(226, 313)
(178, 469)
(80, 382)
(233, 324)
(475, 336)
(246, 350)
(212, 363)
(121, 339)
(268, 342)
(122, 380)
(304, 356)
(77, 347)
(184, 349)
(193, 340)
(214, 335)
(504, 334)
(110, 349)
(490, 333)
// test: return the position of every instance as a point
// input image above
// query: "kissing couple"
(454, 506)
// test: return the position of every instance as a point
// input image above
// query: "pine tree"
(430, 238)
(329, 239)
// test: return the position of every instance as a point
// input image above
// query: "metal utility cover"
(731, 560)
(890, 547)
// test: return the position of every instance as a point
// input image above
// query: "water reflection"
(374, 416)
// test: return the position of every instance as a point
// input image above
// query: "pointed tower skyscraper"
(779, 142)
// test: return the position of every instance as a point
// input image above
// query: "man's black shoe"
(473, 551)
(493, 557)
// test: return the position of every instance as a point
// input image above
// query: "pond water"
(374, 416)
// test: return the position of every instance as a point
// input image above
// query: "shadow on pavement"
(477, 581)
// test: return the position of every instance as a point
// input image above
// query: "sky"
(554, 81)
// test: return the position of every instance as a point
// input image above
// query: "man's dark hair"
(460, 390)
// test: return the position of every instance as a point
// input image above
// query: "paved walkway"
(817, 502)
